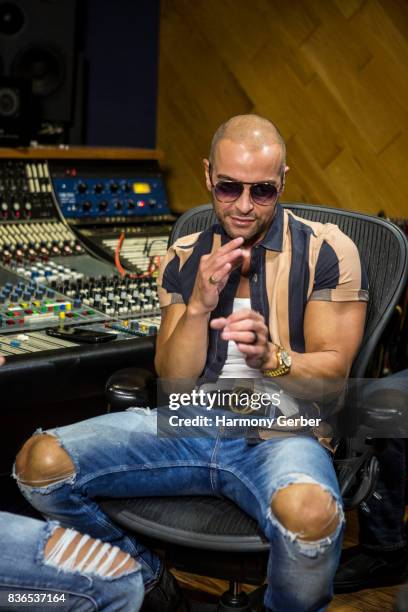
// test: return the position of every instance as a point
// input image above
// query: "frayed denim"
(120, 455)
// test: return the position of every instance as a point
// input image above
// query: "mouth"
(242, 221)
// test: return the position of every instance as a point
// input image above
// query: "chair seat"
(204, 522)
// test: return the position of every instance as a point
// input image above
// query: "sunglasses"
(263, 194)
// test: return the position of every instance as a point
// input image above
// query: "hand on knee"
(72, 551)
(306, 510)
(42, 461)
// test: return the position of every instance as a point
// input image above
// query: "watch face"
(286, 359)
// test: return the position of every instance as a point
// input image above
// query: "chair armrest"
(385, 412)
(130, 387)
(376, 408)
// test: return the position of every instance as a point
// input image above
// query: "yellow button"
(141, 188)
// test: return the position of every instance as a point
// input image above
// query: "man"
(61, 567)
(265, 294)
(381, 558)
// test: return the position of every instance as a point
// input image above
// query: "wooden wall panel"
(332, 74)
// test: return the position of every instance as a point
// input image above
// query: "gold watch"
(284, 364)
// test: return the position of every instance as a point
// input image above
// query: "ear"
(207, 174)
(283, 179)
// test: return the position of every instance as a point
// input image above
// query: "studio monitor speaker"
(37, 45)
(16, 112)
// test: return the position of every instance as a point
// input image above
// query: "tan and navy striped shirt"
(296, 262)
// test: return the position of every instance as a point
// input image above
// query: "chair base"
(233, 602)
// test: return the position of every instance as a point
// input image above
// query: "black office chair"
(401, 603)
(212, 536)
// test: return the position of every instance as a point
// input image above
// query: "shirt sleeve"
(168, 280)
(339, 274)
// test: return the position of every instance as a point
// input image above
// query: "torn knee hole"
(71, 551)
(42, 461)
(307, 510)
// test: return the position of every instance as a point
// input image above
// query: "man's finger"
(219, 276)
(245, 313)
(219, 323)
(231, 245)
(247, 337)
(250, 350)
(234, 257)
(246, 325)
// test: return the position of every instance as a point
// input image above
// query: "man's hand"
(2, 360)
(247, 328)
(212, 276)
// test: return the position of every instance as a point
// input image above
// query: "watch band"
(283, 368)
(278, 372)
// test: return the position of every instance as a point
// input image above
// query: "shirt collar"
(273, 239)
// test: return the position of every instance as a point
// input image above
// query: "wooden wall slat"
(332, 74)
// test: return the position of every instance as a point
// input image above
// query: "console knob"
(82, 187)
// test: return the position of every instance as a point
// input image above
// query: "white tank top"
(235, 365)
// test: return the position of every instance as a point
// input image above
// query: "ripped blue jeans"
(120, 455)
(28, 575)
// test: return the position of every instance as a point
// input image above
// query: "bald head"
(253, 131)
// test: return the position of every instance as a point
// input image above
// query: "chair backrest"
(382, 246)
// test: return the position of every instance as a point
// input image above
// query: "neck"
(251, 242)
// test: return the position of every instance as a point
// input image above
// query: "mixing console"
(25, 189)
(139, 252)
(69, 317)
(92, 283)
(60, 221)
(147, 326)
(23, 343)
(31, 342)
(33, 241)
(130, 191)
(30, 227)
(143, 247)
(27, 304)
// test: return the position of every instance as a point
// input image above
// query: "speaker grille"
(12, 18)
(43, 66)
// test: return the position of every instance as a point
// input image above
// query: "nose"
(244, 203)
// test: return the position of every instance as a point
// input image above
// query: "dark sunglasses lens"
(264, 193)
(228, 191)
